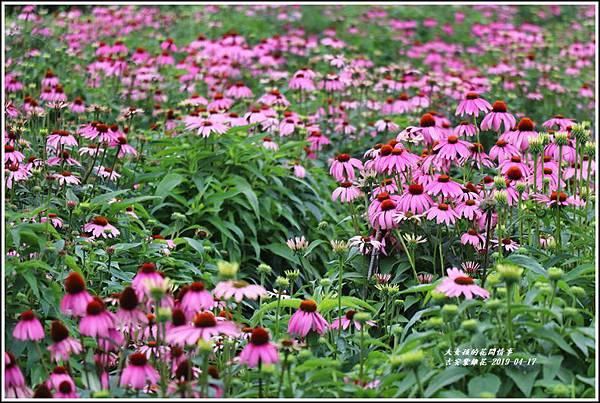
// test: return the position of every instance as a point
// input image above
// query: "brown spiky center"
(443, 207)
(387, 205)
(415, 189)
(562, 197)
(65, 387)
(499, 106)
(197, 286)
(100, 220)
(443, 178)
(205, 319)
(308, 305)
(464, 280)
(427, 120)
(148, 268)
(350, 314)
(74, 283)
(128, 299)
(514, 173)
(525, 125)
(138, 359)
(259, 336)
(58, 331)
(452, 139)
(95, 307)
(343, 158)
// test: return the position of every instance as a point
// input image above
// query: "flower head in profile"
(307, 319)
(472, 105)
(259, 349)
(139, 372)
(100, 227)
(297, 244)
(238, 290)
(459, 283)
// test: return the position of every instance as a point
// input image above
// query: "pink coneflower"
(443, 213)
(445, 186)
(472, 237)
(429, 130)
(415, 200)
(395, 159)
(205, 126)
(64, 345)
(76, 299)
(307, 319)
(317, 140)
(129, 316)
(469, 209)
(98, 321)
(11, 155)
(77, 106)
(425, 278)
(107, 173)
(497, 117)
(146, 274)
(195, 299)
(238, 290)
(519, 137)
(100, 227)
(346, 192)
(59, 375)
(302, 80)
(124, 147)
(348, 319)
(503, 150)
(269, 144)
(560, 121)
(299, 171)
(61, 138)
(239, 90)
(343, 167)
(29, 327)
(14, 381)
(386, 125)
(384, 217)
(466, 129)
(451, 148)
(365, 244)
(472, 105)
(139, 373)
(259, 349)
(66, 177)
(458, 282)
(205, 326)
(556, 198)
(508, 245)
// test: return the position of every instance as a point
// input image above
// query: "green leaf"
(284, 303)
(312, 246)
(195, 244)
(283, 251)
(351, 302)
(169, 182)
(553, 336)
(523, 380)
(446, 377)
(488, 383)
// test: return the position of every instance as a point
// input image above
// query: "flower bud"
(501, 291)
(493, 304)
(578, 291)
(325, 282)
(545, 139)
(163, 315)
(501, 197)
(536, 147)
(469, 325)
(227, 269)
(493, 279)
(264, 268)
(521, 187)
(176, 216)
(559, 390)
(282, 282)
(292, 274)
(449, 310)
(510, 273)
(570, 312)
(101, 394)
(555, 273)
(561, 139)
(590, 148)
(434, 322)
(408, 360)
(499, 182)
(322, 225)
(204, 346)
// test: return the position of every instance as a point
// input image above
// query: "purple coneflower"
(307, 319)
(259, 349)
(76, 299)
(459, 283)
(139, 373)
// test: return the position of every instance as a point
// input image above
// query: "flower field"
(309, 201)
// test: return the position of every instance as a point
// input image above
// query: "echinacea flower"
(472, 237)
(59, 375)
(29, 327)
(100, 227)
(64, 345)
(442, 213)
(415, 200)
(146, 273)
(14, 381)
(297, 243)
(238, 290)
(195, 299)
(259, 349)
(98, 321)
(346, 192)
(307, 319)
(472, 105)
(76, 298)
(66, 390)
(129, 316)
(445, 186)
(205, 325)
(497, 117)
(348, 319)
(451, 148)
(459, 283)
(139, 372)
(343, 166)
